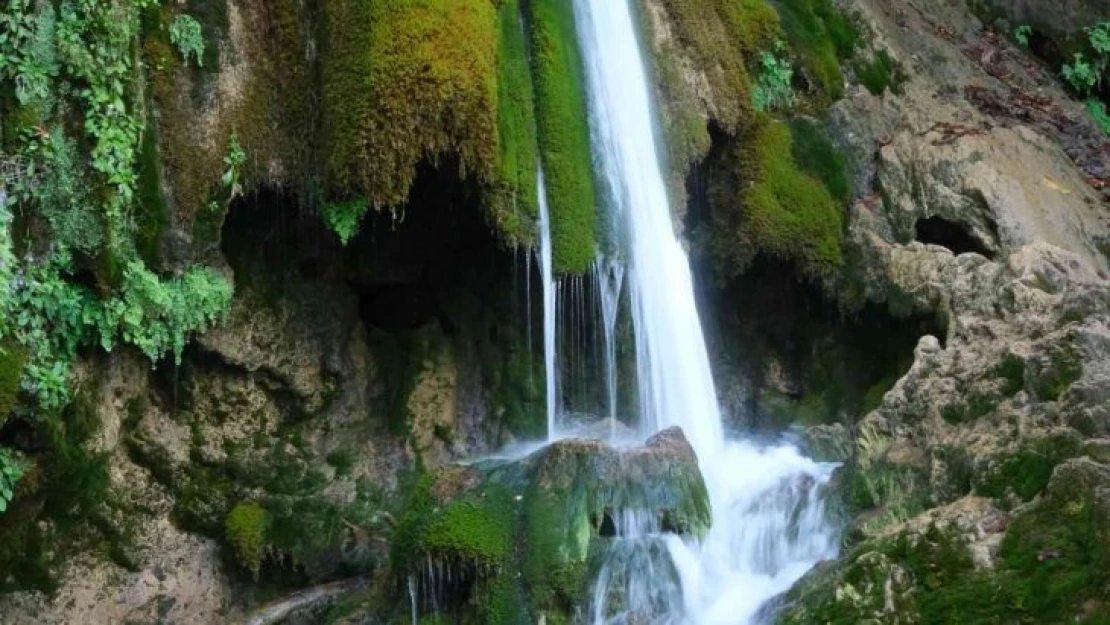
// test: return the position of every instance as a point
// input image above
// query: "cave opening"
(427, 280)
(952, 235)
(787, 354)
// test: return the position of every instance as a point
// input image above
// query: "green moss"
(475, 529)
(1027, 471)
(341, 461)
(976, 405)
(816, 155)
(1063, 369)
(514, 208)
(202, 500)
(880, 73)
(151, 213)
(564, 136)
(504, 602)
(821, 36)
(726, 35)
(557, 532)
(1052, 566)
(64, 502)
(245, 531)
(12, 358)
(404, 82)
(405, 351)
(1012, 372)
(785, 212)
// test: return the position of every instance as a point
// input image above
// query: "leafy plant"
(773, 88)
(1022, 34)
(229, 181)
(11, 469)
(185, 33)
(1085, 73)
(1099, 35)
(1080, 74)
(343, 217)
(27, 54)
(1097, 110)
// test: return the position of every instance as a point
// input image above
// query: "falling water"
(609, 275)
(528, 315)
(549, 286)
(412, 598)
(768, 523)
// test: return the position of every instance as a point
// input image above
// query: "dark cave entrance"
(795, 357)
(952, 235)
(431, 277)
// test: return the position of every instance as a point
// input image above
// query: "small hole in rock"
(950, 234)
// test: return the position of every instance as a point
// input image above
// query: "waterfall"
(768, 523)
(549, 303)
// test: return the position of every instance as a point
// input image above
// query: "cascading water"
(768, 523)
(608, 277)
(549, 290)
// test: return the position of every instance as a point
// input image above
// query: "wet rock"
(544, 515)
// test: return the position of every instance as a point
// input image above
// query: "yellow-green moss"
(245, 530)
(407, 81)
(785, 212)
(564, 136)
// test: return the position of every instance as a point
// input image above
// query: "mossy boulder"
(519, 534)
(1050, 566)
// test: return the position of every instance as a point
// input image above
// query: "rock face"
(991, 225)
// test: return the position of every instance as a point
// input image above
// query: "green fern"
(185, 33)
(773, 88)
(1097, 110)
(1099, 34)
(11, 469)
(1022, 34)
(1080, 74)
(343, 217)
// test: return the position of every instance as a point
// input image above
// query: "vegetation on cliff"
(564, 136)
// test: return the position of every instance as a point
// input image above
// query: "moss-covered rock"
(1050, 566)
(245, 531)
(564, 135)
(702, 50)
(519, 535)
(761, 202)
(402, 83)
(822, 36)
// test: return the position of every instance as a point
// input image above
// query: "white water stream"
(768, 525)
